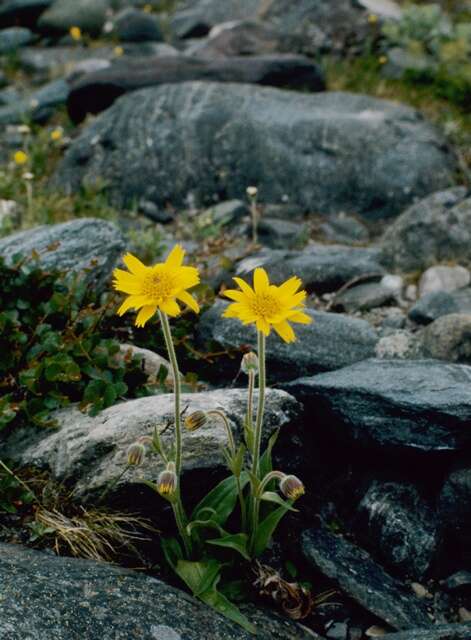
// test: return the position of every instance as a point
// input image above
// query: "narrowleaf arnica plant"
(237, 518)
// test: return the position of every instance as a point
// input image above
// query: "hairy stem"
(261, 405)
(176, 389)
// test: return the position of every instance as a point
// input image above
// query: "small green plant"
(53, 350)
(208, 545)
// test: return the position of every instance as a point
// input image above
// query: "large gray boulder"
(88, 246)
(437, 229)
(439, 632)
(330, 342)
(88, 15)
(46, 597)
(397, 406)
(89, 453)
(362, 579)
(326, 152)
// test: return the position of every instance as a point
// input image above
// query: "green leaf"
(198, 576)
(236, 541)
(265, 460)
(271, 496)
(222, 499)
(224, 606)
(172, 551)
(203, 524)
(266, 529)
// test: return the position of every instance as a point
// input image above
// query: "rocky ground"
(131, 125)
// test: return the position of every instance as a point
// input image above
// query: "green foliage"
(13, 493)
(427, 31)
(53, 350)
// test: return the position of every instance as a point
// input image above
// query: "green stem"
(23, 484)
(250, 399)
(261, 404)
(230, 435)
(180, 520)
(176, 390)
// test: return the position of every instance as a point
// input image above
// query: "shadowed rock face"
(95, 92)
(440, 632)
(44, 597)
(326, 152)
(393, 405)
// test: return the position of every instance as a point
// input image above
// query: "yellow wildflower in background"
(268, 306)
(158, 287)
(382, 60)
(372, 18)
(118, 51)
(75, 33)
(20, 158)
(56, 134)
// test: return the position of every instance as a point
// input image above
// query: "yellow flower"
(147, 8)
(156, 287)
(20, 158)
(75, 33)
(372, 18)
(118, 51)
(267, 305)
(382, 60)
(56, 134)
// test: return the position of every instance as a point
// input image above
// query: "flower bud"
(136, 453)
(196, 420)
(249, 363)
(75, 33)
(252, 192)
(167, 482)
(292, 487)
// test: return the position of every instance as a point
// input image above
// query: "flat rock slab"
(395, 405)
(331, 342)
(87, 245)
(96, 91)
(363, 580)
(325, 152)
(90, 452)
(440, 303)
(440, 632)
(52, 598)
(322, 267)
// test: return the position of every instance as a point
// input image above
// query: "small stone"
(375, 632)
(363, 297)
(464, 615)
(400, 344)
(225, 213)
(282, 234)
(420, 591)
(411, 292)
(448, 338)
(438, 304)
(345, 229)
(443, 278)
(338, 631)
(459, 581)
(132, 25)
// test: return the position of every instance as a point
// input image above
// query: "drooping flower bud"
(196, 420)
(249, 363)
(292, 487)
(252, 192)
(136, 453)
(167, 482)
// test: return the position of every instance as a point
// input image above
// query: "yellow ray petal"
(263, 326)
(290, 286)
(246, 288)
(132, 302)
(260, 280)
(134, 265)
(171, 308)
(126, 282)
(175, 257)
(187, 299)
(296, 299)
(285, 331)
(188, 277)
(145, 314)
(233, 294)
(299, 316)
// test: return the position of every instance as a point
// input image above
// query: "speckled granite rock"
(44, 597)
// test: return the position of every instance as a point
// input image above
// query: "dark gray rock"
(459, 581)
(322, 267)
(86, 245)
(327, 152)
(434, 230)
(282, 234)
(97, 91)
(225, 213)
(88, 15)
(400, 61)
(89, 453)
(195, 19)
(455, 503)
(14, 38)
(362, 579)
(242, 38)
(344, 229)
(395, 405)
(9, 96)
(362, 297)
(399, 527)
(38, 106)
(132, 25)
(440, 632)
(331, 342)
(448, 338)
(23, 13)
(46, 597)
(436, 305)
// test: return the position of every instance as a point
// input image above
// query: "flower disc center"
(158, 285)
(266, 305)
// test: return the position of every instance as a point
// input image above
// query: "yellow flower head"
(75, 33)
(20, 158)
(156, 287)
(382, 60)
(56, 134)
(267, 305)
(372, 18)
(118, 51)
